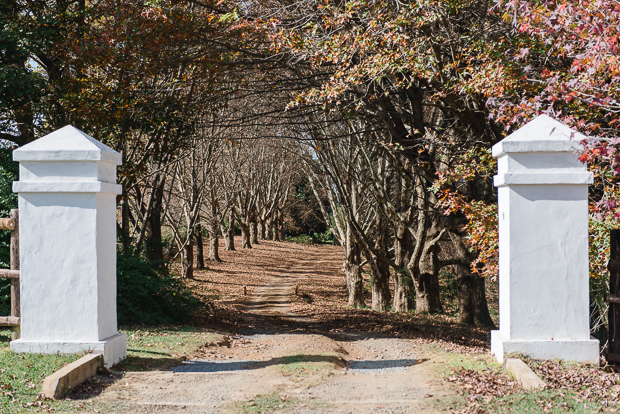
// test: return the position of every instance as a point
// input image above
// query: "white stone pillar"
(67, 233)
(543, 245)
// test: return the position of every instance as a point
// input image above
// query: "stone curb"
(524, 375)
(60, 382)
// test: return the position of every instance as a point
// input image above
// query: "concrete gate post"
(67, 224)
(543, 245)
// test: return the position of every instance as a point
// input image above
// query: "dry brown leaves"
(580, 383)
(484, 383)
(322, 295)
(322, 299)
(590, 383)
(222, 283)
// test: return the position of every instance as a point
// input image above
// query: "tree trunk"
(154, 244)
(224, 232)
(229, 234)
(125, 236)
(25, 122)
(482, 316)
(262, 229)
(355, 284)
(268, 229)
(276, 229)
(245, 236)
(403, 283)
(381, 297)
(426, 284)
(471, 288)
(188, 260)
(403, 291)
(465, 285)
(353, 272)
(379, 269)
(282, 228)
(425, 272)
(214, 254)
(200, 250)
(253, 232)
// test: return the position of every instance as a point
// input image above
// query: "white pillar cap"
(543, 134)
(67, 144)
(67, 161)
(541, 152)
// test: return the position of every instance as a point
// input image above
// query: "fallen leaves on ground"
(321, 296)
(321, 301)
(223, 283)
(568, 383)
(488, 382)
(589, 383)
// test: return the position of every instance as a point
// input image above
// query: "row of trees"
(400, 116)
(150, 80)
(386, 108)
(413, 97)
(215, 185)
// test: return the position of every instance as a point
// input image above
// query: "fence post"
(613, 298)
(15, 266)
(543, 245)
(67, 235)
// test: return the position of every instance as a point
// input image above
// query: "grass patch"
(309, 370)
(452, 360)
(483, 386)
(546, 401)
(162, 347)
(306, 297)
(266, 403)
(21, 377)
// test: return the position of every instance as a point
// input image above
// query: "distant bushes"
(148, 295)
(316, 238)
(301, 239)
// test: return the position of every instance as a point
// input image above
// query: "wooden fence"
(12, 223)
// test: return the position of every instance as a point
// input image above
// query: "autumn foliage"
(385, 110)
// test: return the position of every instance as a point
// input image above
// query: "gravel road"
(301, 370)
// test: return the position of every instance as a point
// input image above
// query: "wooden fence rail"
(12, 223)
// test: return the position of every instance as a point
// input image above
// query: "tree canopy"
(384, 110)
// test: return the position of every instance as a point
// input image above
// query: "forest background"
(368, 123)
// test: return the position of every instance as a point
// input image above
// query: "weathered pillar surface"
(543, 245)
(67, 224)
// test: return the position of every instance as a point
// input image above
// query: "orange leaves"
(481, 218)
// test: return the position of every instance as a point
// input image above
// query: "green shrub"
(5, 297)
(302, 239)
(9, 172)
(148, 295)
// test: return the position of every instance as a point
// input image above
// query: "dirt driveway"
(281, 361)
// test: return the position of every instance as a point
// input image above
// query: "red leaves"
(576, 33)
(583, 158)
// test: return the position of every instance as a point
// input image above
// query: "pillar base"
(113, 348)
(586, 351)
